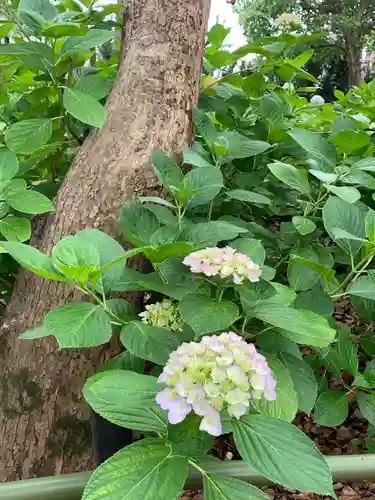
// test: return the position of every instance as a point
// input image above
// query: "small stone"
(344, 434)
(348, 493)
(338, 486)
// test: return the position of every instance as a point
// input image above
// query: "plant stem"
(359, 268)
(102, 304)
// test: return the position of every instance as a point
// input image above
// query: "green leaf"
(84, 107)
(342, 356)
(366, 404)
(273, 108)
(248, 196)
(41, 50)
(349, 194)
(192, 157)
(121, 308)
(265, 445)
(210, 233)
(60, 30)
(216, 487)
(155, 199)
(144, 469)
(124, 361)
(301, 276)
(167, 170)
(316, 147)
(304, 381)
(286, 405)
(29, 202)
(291, 176)
(206, 315)
(303, 327)
(35, 333)
(240, 146)
(149, 342)
(326, 177)
(27, 136)
(349, 141)
(340, 214)
(340, 234)
(331, 408)
(79, 324)
(369, 373)
(109, 250)
(370, 225)
(87, 42)
(15, 228)
(303, 225)
(137, 223)
(201, 185)
(315, 300)
(126, 398)
(273, 342)
(75, 258)
(366, 164)
(217, 34)
(363, 287)
(42, 7)
(250, 247)
(32, 259)
(187, 440)
(97, 86)
(8, 165)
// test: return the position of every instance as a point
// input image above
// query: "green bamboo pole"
(350, 468)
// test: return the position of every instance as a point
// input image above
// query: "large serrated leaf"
(145, 469)
(282, 453)
(149, 342)
(127, 399)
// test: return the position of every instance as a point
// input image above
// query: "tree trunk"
(354, 59)
(43, 421)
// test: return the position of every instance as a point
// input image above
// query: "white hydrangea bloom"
(362, 118)
(287, 19)
(288, 86)
(223, 262)
(220, 372)
(317, 99)
(164, 314)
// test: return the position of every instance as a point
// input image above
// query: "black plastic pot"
(107, 438)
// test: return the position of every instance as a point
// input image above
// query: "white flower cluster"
(164, 314)
(220, 372)
(317, 99)
(223, 262)
(287, 19)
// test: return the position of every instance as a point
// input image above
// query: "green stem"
(210, 210)
(359, 268)
(87, 291)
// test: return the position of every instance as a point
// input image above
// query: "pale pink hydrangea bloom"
(220, 372)
(223, 262)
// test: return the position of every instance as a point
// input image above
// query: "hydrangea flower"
(163, 314)
(222, 372)
(287, 19)
(223, 262)
(317, 99)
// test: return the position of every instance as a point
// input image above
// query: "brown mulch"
(345, 439)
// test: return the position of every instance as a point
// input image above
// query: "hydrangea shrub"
(269, 220)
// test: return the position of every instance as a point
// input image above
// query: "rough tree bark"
(354, 57)
(43, 422)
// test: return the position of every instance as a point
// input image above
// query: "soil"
(347, 439)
